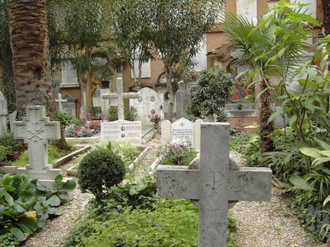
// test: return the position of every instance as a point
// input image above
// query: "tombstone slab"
(60, 100)
(36, 130)
(214, 185)
(122, 130)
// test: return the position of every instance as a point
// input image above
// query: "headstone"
(215, 184)
(69, 76)
(148, 101)
(120, 96)
(36, 130)
(3, 115)
(121, 130)
(12, 119)
(182, 98)
(59, 100)
(181, 129)
(70, 105)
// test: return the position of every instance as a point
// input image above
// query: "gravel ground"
(258, 223)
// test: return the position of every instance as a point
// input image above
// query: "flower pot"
(12, 156)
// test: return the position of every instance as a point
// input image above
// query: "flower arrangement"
(239, 106)
(155, 118)
(86, 129)
(176, 152)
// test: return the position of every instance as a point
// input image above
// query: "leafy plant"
(178, 152)
(66, 119)
(125, 149)
(155, 118)
(237, 138)
(7, 140)
(113, 114)
(211, 93)
(99, 170)
(94, 113)
(25, 206)
(130, 114)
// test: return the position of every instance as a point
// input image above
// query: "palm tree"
(30, 57)
(250, 47)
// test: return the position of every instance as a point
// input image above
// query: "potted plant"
(239, 106)
(155, 118)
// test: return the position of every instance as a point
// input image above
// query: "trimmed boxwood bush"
(99, 170)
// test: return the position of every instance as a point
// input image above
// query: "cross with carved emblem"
(215, 185)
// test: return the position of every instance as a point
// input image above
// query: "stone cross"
(36, 130)
(120, 96)
(60, 101)
(216, 184)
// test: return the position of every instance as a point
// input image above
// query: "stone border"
(84, 140)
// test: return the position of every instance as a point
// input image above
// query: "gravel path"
(258, 223)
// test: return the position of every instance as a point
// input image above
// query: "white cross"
(36, 130)
(60, 101)
(216, 184)
(120, 96)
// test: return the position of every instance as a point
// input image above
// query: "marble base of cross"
(215, 184)
(36, 130)
(120, 96)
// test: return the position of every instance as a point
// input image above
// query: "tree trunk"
(266, 130)
(171, 93)
(30, 58)
(326, 16)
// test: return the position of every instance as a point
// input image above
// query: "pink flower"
(178, 146)
(153, 116)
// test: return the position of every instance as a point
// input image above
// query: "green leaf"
(58, 178)
(39, 208)
(28, 195)
(280, 53)
(309, 105)
(322, 144)
(63, 195)
(274, 114)
(8, 198)
(43, 188)
(9, 188)
(311, 152)
(292, 120)
(27, 224)
(325, 153)
(18, 234)
(41, 222)
(54, 201)
(18, 208)
(300, 183)
(54, 211)
(320, 160)
(16, 182)
(326, 200)
(68, 186)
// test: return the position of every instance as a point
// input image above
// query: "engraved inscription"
(217, 183)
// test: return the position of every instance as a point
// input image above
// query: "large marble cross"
(215, 185)
(36, 130)
(120, 96)
(60, 101)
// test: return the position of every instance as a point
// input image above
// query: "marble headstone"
(3, 115)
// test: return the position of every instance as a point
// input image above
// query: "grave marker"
(216, 184)
(120, 96)
(182, 129)
(122, 130)
(60, 101)
(36, 130)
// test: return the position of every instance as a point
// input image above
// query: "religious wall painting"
(96, 88)
(242, 90)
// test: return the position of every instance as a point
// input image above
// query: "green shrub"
(7, 140)
(113, 114)
(211, 94)
(99, 170)
(237, 138)
(94, 113)
(130, 114)
(4, 151)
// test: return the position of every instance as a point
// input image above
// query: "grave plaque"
(183, 129)
(121, 130)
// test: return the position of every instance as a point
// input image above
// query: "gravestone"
(121, 130)
(149, 101)
(3, 115)
(215, 185)
(120, 96)
(59, 100)
(182, 129)
(70, 105)
(36, 130)
(69, 76)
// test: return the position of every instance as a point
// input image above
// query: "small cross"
(36, 130)
(215, 185)
(60, 101)
(120, 96)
